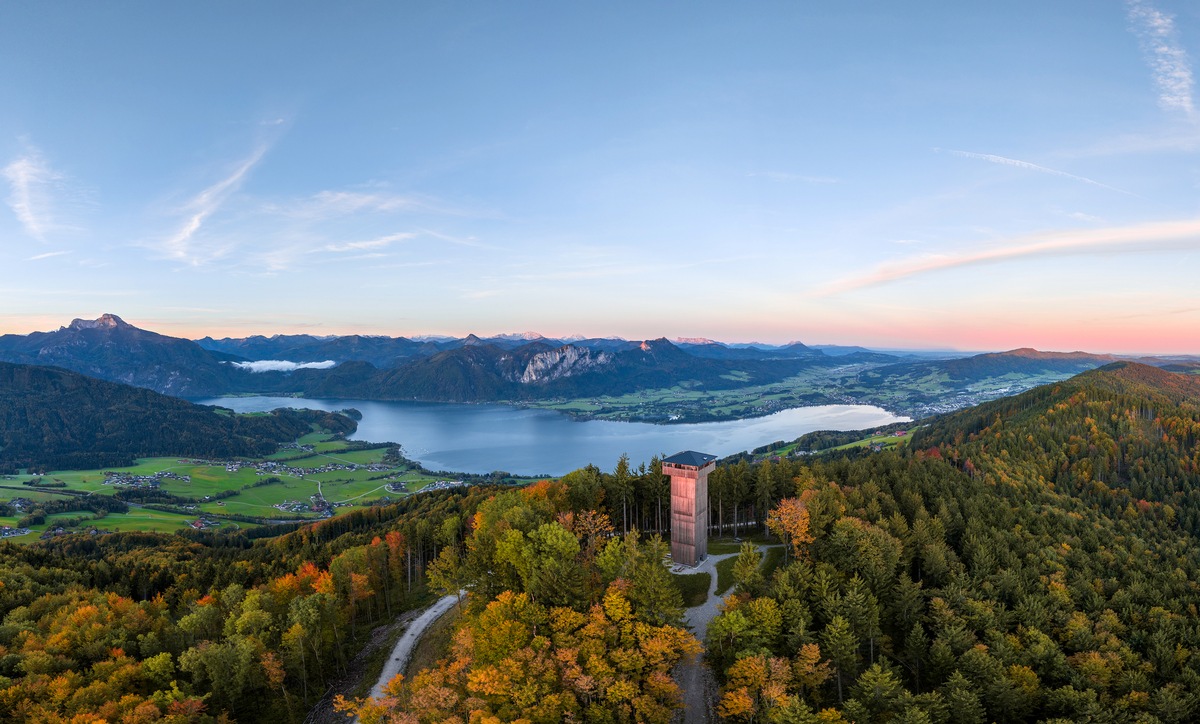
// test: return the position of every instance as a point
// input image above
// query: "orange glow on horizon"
(1172, 335)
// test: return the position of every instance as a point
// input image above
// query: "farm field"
(905, 390)
(315, 477)
(138, 519)
(687, 403)
(886, 440)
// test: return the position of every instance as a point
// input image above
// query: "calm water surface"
(483, 438)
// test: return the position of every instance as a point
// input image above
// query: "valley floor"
(315, 477)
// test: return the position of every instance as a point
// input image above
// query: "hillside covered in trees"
(55, 419)
(1028, 560)
(140, 627)
(565, 621)
(1032, 559)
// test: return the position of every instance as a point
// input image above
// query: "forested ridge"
(52, 419)
(973, 577)
(565, 621)
(1124, 437)
(992, 364)
(1032, 559)
(141, 627)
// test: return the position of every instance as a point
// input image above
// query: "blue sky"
(917, 174)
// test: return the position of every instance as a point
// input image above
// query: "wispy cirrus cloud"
(30, 179)
(380, 243)
(329, 204)
(1169, 62)
(1155, 236)
(470, 241)
(272, 235)
(47, 255)
(1017, 163)
(280, 256)
(203, 205)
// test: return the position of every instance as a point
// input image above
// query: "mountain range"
(514, 368)
(384, 352)
(108, 348)
(468, 369)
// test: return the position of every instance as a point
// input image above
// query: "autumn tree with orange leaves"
(790, 521)
(520, 661)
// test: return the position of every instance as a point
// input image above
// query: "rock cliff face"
(563, 362)
(105, 321)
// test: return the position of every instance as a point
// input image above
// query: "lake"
(483, 438)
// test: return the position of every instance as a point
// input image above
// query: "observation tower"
(689, 505)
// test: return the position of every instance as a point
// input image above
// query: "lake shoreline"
(485, 438)
(583, 416)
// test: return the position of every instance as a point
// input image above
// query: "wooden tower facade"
(689, 505)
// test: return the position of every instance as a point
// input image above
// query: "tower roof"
(690, 457)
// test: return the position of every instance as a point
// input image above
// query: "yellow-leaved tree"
(789, 520)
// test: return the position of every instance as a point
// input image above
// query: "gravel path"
(694, 677)
(399, 658)
(697, 617)
(413, 625)
(323, 712)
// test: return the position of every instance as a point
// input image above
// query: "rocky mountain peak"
(104, 321)
(521, 336)
(566, 361)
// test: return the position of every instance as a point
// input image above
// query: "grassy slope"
(356, 487)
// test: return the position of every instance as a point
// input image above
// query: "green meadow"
(887, 440)
(137, 519)
(300, 475)
(687, 401)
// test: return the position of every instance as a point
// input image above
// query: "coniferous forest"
(1031, 559)
(52, 419)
